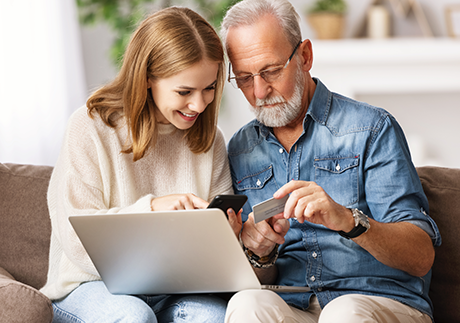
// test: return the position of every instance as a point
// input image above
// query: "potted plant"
(327, 18)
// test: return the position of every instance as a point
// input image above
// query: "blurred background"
(401, 55)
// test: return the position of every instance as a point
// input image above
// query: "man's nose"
(261, 88)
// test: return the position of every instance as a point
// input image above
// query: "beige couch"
(25, 235)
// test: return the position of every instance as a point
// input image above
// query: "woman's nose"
(199, 103)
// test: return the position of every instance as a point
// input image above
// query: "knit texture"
(92, 176)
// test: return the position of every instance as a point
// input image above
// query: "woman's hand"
(178, 202)
(189, 202)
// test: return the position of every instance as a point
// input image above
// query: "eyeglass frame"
(261, 72)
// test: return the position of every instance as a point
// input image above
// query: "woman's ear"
(305, 50)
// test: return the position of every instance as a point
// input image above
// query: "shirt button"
(281, 150)
(337, 167)
(258, 182)
(312, 278)
(314, 254)
(319, 289)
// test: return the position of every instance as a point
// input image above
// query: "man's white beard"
(284, 111)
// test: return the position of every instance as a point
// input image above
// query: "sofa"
(25, 236)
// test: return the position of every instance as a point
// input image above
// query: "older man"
(354, 228)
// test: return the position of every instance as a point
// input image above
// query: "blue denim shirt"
(358, 154)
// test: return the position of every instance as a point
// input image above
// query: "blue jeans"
(92, 302)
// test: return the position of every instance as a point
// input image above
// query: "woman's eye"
(183, 93)
(211, 88)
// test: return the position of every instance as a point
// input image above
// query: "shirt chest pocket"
(338, 176)
(255, 181)
(258, 185)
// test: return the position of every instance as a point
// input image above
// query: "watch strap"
(355, 232)
(361, 225)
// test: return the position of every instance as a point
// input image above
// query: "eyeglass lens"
(269, 75)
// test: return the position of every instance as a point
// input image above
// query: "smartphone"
(224, 202)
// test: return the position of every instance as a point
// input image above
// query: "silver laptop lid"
(190, 251)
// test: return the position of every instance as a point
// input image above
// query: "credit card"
(268, 208)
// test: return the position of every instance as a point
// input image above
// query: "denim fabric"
(195, 308)
(358, 154)
(92, 302)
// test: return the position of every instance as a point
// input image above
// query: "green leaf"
(336, 6)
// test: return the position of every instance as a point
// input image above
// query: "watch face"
(361, 218)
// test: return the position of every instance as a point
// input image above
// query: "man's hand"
(400, 245)
(235, 220)
(262, 237)
(310, 202)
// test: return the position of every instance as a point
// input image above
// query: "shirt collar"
(320, 104)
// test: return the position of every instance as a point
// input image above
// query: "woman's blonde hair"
(166, 43)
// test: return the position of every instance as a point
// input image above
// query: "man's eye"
(271, 73)
(244, 79)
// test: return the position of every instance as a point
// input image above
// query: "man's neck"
(289, 134)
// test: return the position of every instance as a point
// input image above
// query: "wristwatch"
(361, 225)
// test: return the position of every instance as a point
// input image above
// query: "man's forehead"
(253, 61)
(256, 44)
(265, 30)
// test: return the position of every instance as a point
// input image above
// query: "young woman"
(147, 141)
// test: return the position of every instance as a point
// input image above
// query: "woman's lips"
(188, 116)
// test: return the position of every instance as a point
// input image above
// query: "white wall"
(96, 41)
(41, 78)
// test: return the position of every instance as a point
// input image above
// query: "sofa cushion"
(22, 303)
(25, 226)
(442, 188)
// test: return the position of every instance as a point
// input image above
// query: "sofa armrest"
(442, 188)
(22, 303)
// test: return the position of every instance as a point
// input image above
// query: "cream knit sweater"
(92, 176)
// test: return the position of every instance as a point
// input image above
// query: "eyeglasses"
(269, 75)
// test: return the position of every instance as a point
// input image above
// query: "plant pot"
(327, 25)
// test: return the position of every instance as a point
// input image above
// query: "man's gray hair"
(248, 12)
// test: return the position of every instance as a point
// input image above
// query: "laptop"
(168, 252)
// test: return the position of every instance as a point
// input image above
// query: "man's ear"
(305, 50)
